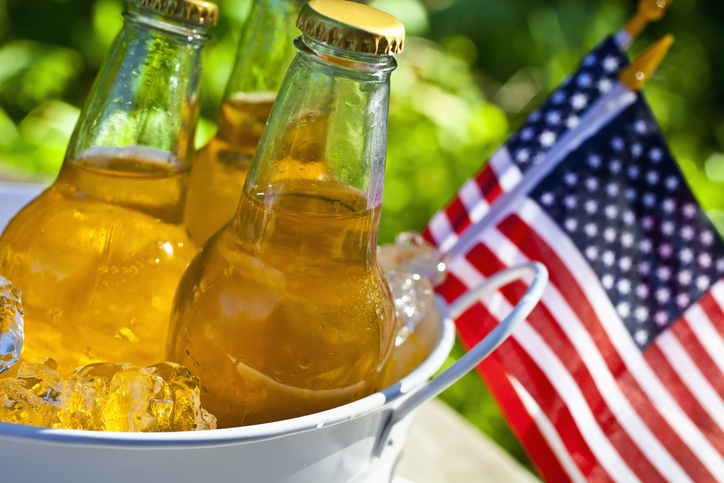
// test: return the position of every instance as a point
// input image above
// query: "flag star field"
(599, 71)
(641, 230)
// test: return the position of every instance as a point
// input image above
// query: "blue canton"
(560, 112)
(623, 202)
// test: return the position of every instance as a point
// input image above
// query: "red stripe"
(714, 312)
(513, 409)
(451, 288)
(455, 210)
(428, 236)
(488, 183)
(535, 248)
(457, 215)
(517, 363)
(682, 331)
(684, 398)
(545, 324)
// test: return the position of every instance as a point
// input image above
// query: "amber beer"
(220, 168)
(284, 312)
(305, 335)
(108, 238)
(98, 255)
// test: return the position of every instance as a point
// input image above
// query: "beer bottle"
(98, 255)
(284, 312)
(220, 167)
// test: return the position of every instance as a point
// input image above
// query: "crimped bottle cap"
(192, 11)
(352, 27)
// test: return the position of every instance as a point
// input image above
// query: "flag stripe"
(552, 459)
(632, 357)
(542, 365)
(688, 402)
(536, 382)
(557, 323)
(488, 184)
(457, 216)
(471, 197)
(535, 249)
(694, 380)
(506, 172)
(546, 428)
(441, 230)
(695, 350)
(717, 292)
(703, 328)
(558, 385)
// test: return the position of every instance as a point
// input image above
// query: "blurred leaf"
(411, 12)
(32, 73)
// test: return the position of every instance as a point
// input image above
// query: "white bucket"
(358, 442)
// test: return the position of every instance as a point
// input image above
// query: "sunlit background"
(471, 72)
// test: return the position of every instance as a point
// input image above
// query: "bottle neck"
(322, 153)
(265, 48)
(145, 95)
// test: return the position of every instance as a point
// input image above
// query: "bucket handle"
(483, 348)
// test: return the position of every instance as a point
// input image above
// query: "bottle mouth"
(189, 32)
(342, 62)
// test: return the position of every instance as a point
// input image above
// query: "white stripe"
(506, 172)
(704, 330)
(465, 271)
(621, 339)
(441, 230)
(472, 199)
(549, 432)
(566, 387)
(691, 376)
(717, 291)
(581, 340)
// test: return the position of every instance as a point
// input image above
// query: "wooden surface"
(444, 448)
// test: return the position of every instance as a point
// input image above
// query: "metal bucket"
(358, 442)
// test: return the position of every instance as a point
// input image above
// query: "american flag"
(558, 115)
(618, 374)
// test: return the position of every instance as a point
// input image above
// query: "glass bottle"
(220, 167)
(284, 312)
(98, 255)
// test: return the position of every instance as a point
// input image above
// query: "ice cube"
(413, 296)
(412, 253)
(40, 378)
(19, 405)
(11, 325)
(188, 413)
(86, 392)
(122, 397)
(412, 267)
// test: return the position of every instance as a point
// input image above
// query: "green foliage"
(471, 72)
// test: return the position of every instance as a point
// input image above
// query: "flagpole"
(622, 95)
(647, 11)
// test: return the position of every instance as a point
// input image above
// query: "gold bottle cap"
(192, 11)
(352, 27)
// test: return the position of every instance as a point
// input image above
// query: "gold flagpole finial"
(646, 12)
(638, 72)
